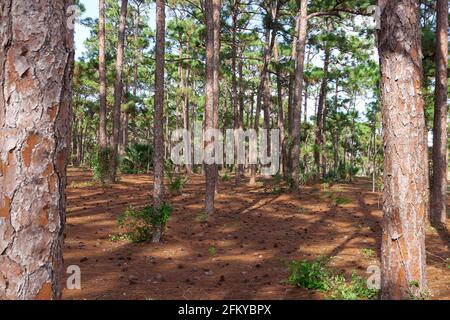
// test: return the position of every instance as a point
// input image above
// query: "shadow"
(254, 235)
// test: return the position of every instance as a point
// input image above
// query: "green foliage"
(368, 253)
(138, 225)
(176, 182)
(225, 177)
(338, 200)
(101, 165)
(355, 290)
(162, 216)
(275, 186)
(138, 158)
(202, 217)
(415, 293)
(212, 251)
(310, 275)
(317, 276)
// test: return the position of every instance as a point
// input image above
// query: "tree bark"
(440, 150)
(102, 75)
(319, 152)
(240, 169)
(212, 9)
(297, 95)
(102, 136)
(234, 86)
(36, 64)
(118, 88)
(186, 124)
(280, 121)
(158, 136)
(405, 197)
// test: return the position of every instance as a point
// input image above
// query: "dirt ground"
(255, 233)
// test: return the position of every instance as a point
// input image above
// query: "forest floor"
(242, 253)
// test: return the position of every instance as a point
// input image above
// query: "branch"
(336, 12)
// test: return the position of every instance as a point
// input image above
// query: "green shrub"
(202, 217)
(338, 200)
(310, 275)
(101, 165)
(212, 251)
(225, 177)
(138, 225)
(368, 253)
(317, 276)
(138, 158)
(162, 216)
(355, 290)
(176, 182)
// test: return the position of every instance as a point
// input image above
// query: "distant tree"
(440, 149)
(102, 133)
(118, 89)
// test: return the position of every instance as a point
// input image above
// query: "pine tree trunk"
(234, 85)
(262, 99)
(320, 121)
(102, 133)
(405, 197)
(240, 170)
(36, 63)
(297, 95)
(158, 136)
(102, 75)
(280, 120)
(440, 150)
(211, 89)
(118, 88)
(186, 124)
(216, 84)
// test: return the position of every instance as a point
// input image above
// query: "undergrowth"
(138, 225)
(316, 275)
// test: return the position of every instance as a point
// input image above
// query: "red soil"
(255, 233)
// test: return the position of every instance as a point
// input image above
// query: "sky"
(82, 32)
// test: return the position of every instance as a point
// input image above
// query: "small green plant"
(202, 217)
(138, 225)
(356, 289)
(275, 186)
(81, 184)
(176, 182)
(315, 275)
(338, 200)
(225, 177)
(161, 216)
(277, 190)
(310, 275)
(138, 158)
(212, 251)
(117, 237)
(415, 293)
(368, 253)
